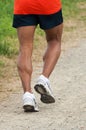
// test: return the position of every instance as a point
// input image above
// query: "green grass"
(71, 8)
(6, 30)
(8, 34)
(6, 9)
(8, 49)
(2, 64)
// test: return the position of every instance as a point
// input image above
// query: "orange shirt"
(36, 6)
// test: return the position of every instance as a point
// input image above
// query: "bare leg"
(25, 35)
(53, 37)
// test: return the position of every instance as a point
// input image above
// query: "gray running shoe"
(29, 103)
(44, 89)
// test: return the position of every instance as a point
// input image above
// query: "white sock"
(44, 78)
(28, 93)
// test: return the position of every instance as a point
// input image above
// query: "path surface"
(69, 87)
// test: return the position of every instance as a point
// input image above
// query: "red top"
(36, 6)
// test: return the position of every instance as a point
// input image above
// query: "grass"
(71, 8)
(6, 30)
(2, 65)
(8, 34)
(7, 49)
(6, 19)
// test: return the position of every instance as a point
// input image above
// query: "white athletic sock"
(28, 93)
(44, 78)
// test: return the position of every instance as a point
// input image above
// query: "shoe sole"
(45, 96)
(29, 108)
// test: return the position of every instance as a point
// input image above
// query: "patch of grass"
(8, 49)
(6, 19)
(39, 31)
(2, 63)
(6, 30)
(71, 8)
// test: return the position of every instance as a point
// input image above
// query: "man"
(27, 15)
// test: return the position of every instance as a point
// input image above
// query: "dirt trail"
(69, 87)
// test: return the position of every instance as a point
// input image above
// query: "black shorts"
(45, 21)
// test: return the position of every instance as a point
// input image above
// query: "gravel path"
(69, 87)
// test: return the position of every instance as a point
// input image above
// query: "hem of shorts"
(50, 27)
(23, 25)
(44, 28)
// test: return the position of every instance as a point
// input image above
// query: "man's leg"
(53, 37)
(50, 58)
(25, 35)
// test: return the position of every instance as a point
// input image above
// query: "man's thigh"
(26, 34)
(54, 33)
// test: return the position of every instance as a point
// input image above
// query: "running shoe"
(29, 103)
(44, 89)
